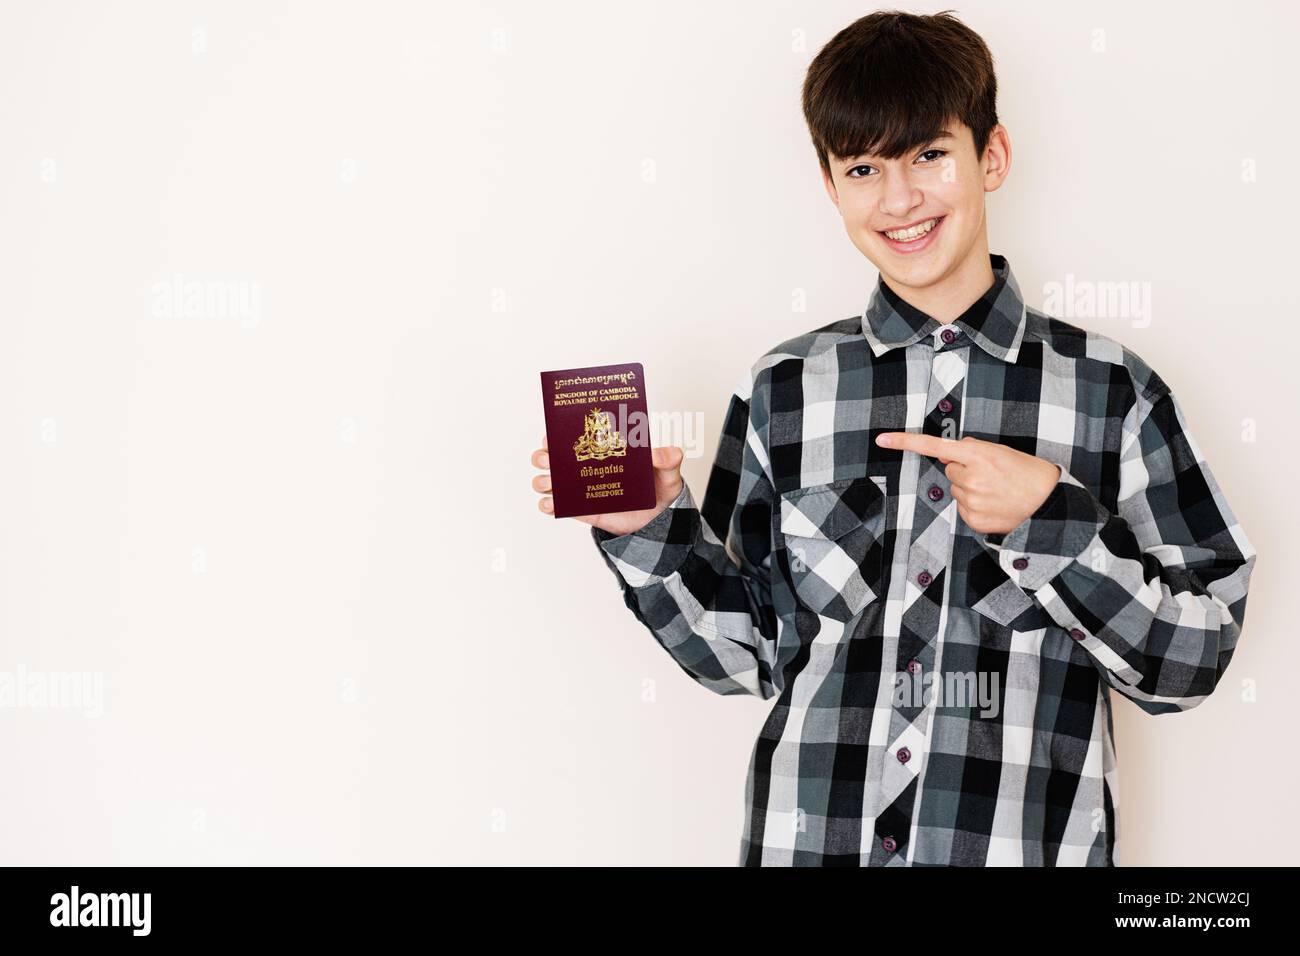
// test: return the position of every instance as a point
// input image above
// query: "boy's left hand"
(995, 486)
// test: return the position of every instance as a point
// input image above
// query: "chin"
(915, 271)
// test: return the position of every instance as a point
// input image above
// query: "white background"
(298, 546)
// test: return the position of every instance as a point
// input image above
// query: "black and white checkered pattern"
(942, 696)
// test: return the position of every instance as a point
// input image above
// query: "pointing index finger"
(932, 446)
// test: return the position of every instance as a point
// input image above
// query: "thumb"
(667, 461)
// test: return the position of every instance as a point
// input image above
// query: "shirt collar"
(995, 321)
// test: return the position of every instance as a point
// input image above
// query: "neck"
(956, 292)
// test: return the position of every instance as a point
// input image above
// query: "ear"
(997, 158)
(829, 183)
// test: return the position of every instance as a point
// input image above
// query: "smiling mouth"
(913, 232)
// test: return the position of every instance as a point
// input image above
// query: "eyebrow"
(942, 134)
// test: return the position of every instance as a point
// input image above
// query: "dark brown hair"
(888, 82)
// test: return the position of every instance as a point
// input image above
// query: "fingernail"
(885, 441)
(545, 459)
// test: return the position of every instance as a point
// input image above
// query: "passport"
(598, 440)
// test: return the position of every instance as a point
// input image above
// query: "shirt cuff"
(1057, 534)
(658, 548)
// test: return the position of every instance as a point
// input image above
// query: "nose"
(898, 195)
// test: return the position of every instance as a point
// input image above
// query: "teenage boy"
(940, 532)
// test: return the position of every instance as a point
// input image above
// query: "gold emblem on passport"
(599, 439)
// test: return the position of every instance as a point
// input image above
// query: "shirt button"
(1020, 563)
(935, 492)
(948, 335)
(904, 755)
(945, 405)
(889, 844)
(924, 579)
(1077, 634)
(914, 667)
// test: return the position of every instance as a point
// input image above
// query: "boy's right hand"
(668, 485)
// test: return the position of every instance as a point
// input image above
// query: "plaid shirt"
(942, 695)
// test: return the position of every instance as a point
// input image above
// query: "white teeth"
(916, 232)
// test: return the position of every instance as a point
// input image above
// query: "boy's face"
(937, 189)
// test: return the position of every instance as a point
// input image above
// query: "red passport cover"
(598, 440)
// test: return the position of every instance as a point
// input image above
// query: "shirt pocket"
(834, 538)
(991, 592)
